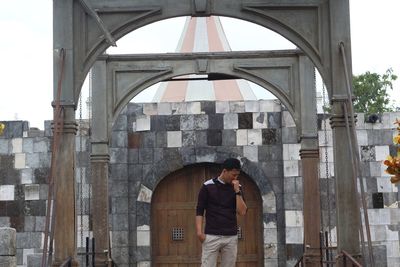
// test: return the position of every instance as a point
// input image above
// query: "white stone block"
(251, 153)
(325, 141)
(150, 109)
(174, 138)
(386, 123)
(391, 235)
(287, 119)
(269, 203)
(143, 236)
(290, 168)
(381, 152)
(193, 108)
(378, 233)
(241, 137)
(25, 253)
(19, 161)
(26, 176)
(254, 137)
(291, 151)
(144, 194)
(142, 123)
(236, 106)
(384, 184)
(260, 120)
(270, 235)
(393, 249)
(144, 264)
(32, 192)
(323, 172)
(294, 218)
(326, 153)
(231, 121)
(360, 121)
(6, 192)
(294, 235)
(362, 137)
(379, 216)
(16, 144)
(179, 108)
(271, 248)
(394, 216)
(164, 108)
(251, 106)
(221, 107)
(375, 168)
(270, 105)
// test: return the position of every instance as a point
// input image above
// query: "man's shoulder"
(209, 182)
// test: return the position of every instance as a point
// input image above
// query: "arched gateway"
(84, 29)
(173, 234)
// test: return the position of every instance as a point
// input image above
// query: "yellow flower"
(396, 139)
(2, 127)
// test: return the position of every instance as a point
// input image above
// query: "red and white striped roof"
(203, 34)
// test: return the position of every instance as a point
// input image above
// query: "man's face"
(230, 175)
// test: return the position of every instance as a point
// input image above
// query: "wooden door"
(173, 212)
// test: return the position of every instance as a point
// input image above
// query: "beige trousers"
(215, 244)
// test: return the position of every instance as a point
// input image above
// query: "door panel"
(173, 211)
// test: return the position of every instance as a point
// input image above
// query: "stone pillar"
(347, 210)
(64, 191)
(311, 206)
(8, 244)
(99, 177)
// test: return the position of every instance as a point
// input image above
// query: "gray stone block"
(40, 222)
(201, 138)
(120, 238)
(121, 123)
(119, 205)
(188, 155)
(205, 154)
(29, 224)
(8, 261)
(119, 139)
(145, 155)
(7, 241)
(200, 122)
(148, 140)
(380, 137)
(293, 201)
(207, 107)
(118, 155)
(188, 138)
(119, 222)
(142, 213)
(4, 221)
(32, 160)
(289, 135)
(158, 123)
(270, 153)
(45, 160)
(187, 122)
(4, 146)
(173, 123)
(367, 153)
(119, 171)
(274, 120)
(215, 121)
(118, 189)
(41, 145)
(34, 260)
(143, 254)
(120, 255)
(27, 145)
(161, 139)
(245, 120)
(229, 138)
(29, 240)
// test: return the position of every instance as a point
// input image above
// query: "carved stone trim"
(309, 153)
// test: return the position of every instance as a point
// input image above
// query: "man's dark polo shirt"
(219, 202)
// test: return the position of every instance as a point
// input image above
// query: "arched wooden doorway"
(173, 234)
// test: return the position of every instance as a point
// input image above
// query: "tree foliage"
(370, 91)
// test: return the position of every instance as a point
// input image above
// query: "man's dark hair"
(231, 163)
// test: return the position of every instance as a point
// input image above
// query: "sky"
(26, 42)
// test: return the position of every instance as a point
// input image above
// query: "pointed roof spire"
(203, 34)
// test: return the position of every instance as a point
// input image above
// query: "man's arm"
(241, 207)
(201, 206)
(199, 228)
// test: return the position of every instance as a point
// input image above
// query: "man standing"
(222, 199)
